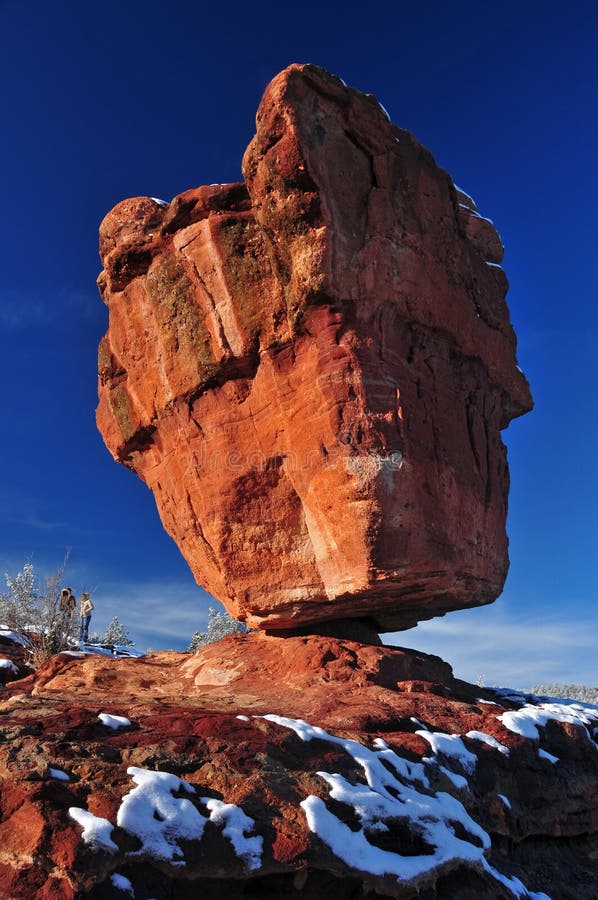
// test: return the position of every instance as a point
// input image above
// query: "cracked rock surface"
(296, 767)
(311, 370)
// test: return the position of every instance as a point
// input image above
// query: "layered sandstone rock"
(15, 660)
(311, 370)
(428, 782)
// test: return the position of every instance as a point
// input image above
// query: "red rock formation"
(541, 815)
(15, 660)
(311, 370)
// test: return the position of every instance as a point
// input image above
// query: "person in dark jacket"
(68, 601)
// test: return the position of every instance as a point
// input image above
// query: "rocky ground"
(290, 767)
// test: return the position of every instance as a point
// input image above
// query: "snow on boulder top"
(487, 739)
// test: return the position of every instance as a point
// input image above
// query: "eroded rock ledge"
(269, 767)
(311, 370)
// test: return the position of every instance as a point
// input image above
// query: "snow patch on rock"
(114, 722)
(122, 884)
(526, 720)
(397, 789)
(96, 831)
(488, 739)
(451, 746)
(159, 819)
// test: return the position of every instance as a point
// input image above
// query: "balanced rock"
(311, 370)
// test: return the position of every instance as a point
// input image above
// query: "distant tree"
(219, 625)
(18, 606)
(579, 692)
(31, 607)
(94, 638)
(116, 634)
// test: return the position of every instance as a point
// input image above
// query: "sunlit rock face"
(311, 370)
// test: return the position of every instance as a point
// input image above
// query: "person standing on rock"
(68, 601)
(85, 617)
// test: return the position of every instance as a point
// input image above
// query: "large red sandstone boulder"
(311, 370)
(299, 767)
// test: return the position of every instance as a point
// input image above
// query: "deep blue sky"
(102, 101)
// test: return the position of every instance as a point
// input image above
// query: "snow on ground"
(159, 819)
(96, 831)
(589, 708)
(488, 739)
(459, 781)
(385, 111)
(394, 789)
(8, 664)
(114, 722)
(236, 827)
(452, 746)
(544, 754)
(510, 695)
(122, 884)
(526, 720)
(465, 194)
(117, 651)
(418, 723)
(10, 635)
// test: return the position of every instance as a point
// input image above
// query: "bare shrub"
(31, 607)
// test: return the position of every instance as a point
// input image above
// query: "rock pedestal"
(311, 370)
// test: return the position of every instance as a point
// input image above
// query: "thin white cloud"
(22, 509)
(160, 615)
(37, 522)
(21, 309)
(497, 646)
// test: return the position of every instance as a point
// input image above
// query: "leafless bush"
(31, 607)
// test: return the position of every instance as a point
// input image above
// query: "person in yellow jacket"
(85, 616)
